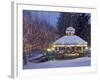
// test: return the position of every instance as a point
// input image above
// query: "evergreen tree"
(83, 29)
(80, 21)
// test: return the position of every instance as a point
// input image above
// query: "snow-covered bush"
(87, 53)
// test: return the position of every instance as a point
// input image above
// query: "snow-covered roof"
(65, 40)
(70, 30)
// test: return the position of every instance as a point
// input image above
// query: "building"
(70, 43)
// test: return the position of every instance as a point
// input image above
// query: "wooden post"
(65, 49)
(57, 48)
(82, 49)
(75, 49)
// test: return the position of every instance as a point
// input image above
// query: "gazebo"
(70, 43)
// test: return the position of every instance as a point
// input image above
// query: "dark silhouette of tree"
(80, 21)
(83, 29)
(65, 20)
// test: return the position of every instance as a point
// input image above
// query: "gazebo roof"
(70, 40)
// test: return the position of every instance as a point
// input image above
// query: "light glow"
(49, 50)
(68, 45)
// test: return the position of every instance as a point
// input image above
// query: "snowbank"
(84, 61)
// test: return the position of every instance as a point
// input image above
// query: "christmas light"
(49, 50)
(68, 45)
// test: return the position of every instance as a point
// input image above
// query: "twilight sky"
(49, 16)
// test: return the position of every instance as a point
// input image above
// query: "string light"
(68, 45)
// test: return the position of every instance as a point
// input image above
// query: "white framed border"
(17, 44)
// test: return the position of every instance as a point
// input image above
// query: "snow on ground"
(84, 61)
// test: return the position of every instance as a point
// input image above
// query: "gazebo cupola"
(70, 31)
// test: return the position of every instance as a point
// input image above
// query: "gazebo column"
(57, 48)
(82, 49)
(65, 49)
(86, 47)
(74, 48)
